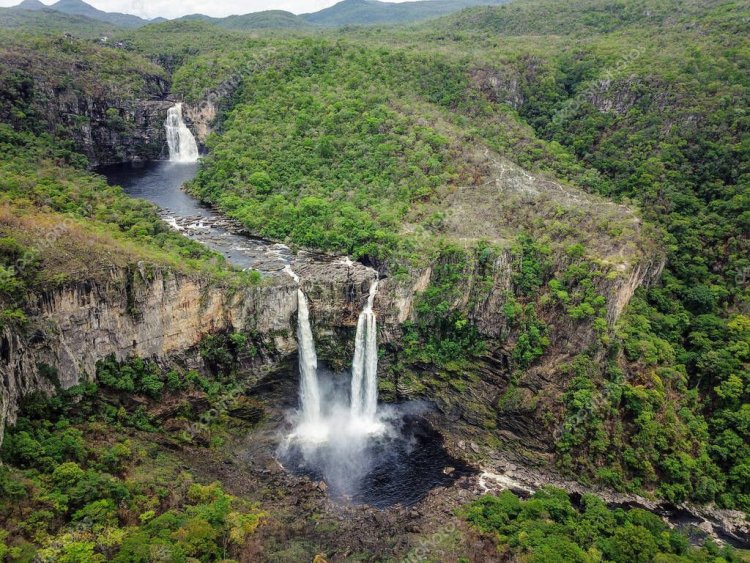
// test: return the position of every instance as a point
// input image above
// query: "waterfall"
(309, 391)
(308, 364)
(182, 145)
(364, 400)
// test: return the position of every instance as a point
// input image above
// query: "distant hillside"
(31, 5)
(80, 8)
(264, 20)
(369, 12)
(269, 19)
(49, 21)
(551, 17)
(347, 12)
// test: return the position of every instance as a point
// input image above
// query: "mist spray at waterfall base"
(399, 463)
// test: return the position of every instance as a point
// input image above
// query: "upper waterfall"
(308, 364)
(182, 145)
(364, 399)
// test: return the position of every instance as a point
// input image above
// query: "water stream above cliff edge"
(161, 183)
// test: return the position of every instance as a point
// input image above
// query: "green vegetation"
(267, 19)
(441, 334)
(337, 170)
(393, 145)
(82, 483)
(548, 527)
(372, 12)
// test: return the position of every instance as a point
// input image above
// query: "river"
(161, 183)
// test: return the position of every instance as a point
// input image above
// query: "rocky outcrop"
(503, 470)
(127, 132)
(108, 128)
(203, 118)
(109, 104)
(501, 85)
(155, 313)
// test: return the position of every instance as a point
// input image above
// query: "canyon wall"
(489, 395)
(155, 313)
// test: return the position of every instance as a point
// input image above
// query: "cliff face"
(157, 314)
(110, 104)
(203, 118)
(126, 132)
(108, 129)
(494, 397)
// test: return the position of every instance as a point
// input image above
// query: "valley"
(466, 289)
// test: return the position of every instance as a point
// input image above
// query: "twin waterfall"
(182, 145)
(315, 425)
(365, 365)
(308, 365)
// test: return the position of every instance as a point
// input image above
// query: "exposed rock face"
(108, 128)
(337, 289)
(499, 85)
(129, 132)
(203, 118)
(152, 313)
(487, 401)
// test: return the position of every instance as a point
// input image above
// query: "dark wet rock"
(247, 409)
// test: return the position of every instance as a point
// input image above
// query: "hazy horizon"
(170, 9)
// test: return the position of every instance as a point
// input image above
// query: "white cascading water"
(310, 426)
(182, 145)
(364, 400)
(308, 364)
(327, 419)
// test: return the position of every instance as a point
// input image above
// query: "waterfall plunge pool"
(398, 463)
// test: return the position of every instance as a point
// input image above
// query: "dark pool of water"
(396, 468)
(398, 465)
(161, 183)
